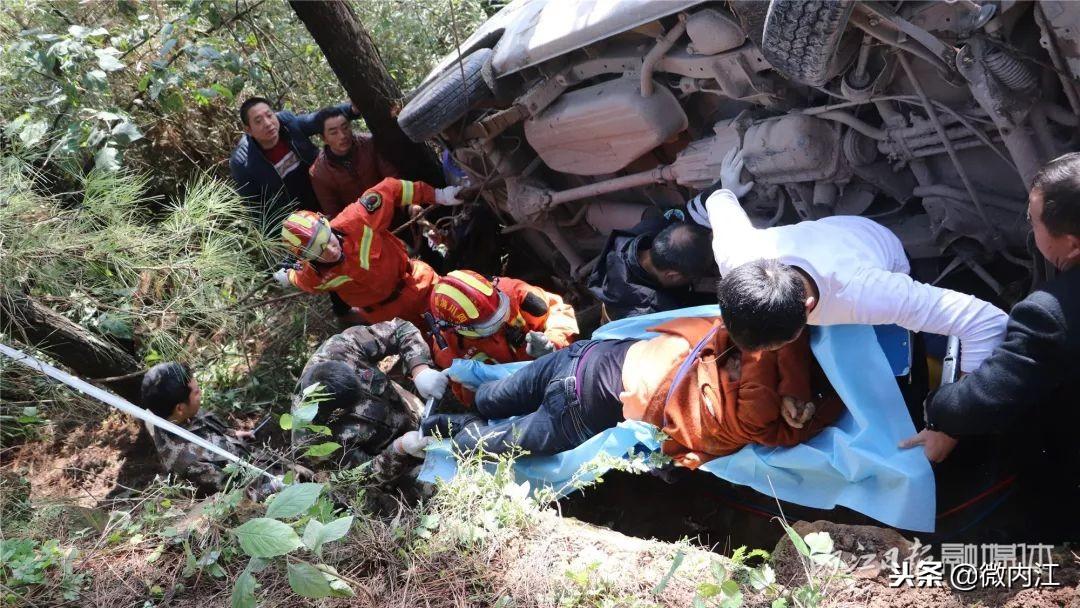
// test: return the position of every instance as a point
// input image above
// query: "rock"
(861, 548)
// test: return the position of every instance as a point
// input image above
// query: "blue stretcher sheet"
(855, 463)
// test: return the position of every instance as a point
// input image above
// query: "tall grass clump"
(131, 267)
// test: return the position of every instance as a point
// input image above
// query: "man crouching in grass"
(171, 391)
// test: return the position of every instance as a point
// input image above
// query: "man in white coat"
(832, 271)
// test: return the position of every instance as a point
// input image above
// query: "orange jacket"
(707, 414)
(375, 270)
(508, 344)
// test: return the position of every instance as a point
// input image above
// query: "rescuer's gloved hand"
(448, 196)
(431, 383)
(537, 344)
(282, 277)
(731, 173)
(411, 443)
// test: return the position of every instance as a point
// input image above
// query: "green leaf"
(265, 537)
(762, 578)
(780, 602)
(304, 414)
(312, 532)
(294, 500)
(338, 587)
(243, 595)
(107, 59)
(729, 587)
(322, 449)
(336, 529)
(105, 159)
(675, 563)
(800, 544)
(308, 581)
(708, 590)
(95, 79)
(286, 422)
(126, 132)
(819, 542)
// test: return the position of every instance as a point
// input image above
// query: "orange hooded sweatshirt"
(707, 414)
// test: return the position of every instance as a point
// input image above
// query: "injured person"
(708, 398)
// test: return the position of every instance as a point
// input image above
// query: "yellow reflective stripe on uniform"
(472, 281)
(462, 300)
(406, 192)
(365, 247)
(334, 282)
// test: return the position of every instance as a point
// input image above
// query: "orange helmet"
(470, 303)
(306, 233)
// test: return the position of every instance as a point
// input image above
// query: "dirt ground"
(88, 465)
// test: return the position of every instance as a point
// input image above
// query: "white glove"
(696, 209)
(431, 383)
(731, 173)
(448, 196)
(282, 277)
(537, 344)
(411, 443)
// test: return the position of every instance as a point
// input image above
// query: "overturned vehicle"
(929, 117)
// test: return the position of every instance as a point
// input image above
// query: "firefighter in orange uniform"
(356, 256)
(497, 321)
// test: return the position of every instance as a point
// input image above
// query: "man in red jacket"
(348, 164)
(357, 257)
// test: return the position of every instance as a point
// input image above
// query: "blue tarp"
(854, 463)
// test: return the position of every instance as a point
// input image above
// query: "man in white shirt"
(832, 271)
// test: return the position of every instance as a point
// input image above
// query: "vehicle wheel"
(447, 98)
(801, 37)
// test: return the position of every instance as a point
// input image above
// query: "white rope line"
(123, 405)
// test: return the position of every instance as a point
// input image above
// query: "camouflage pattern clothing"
(367, 428)
(198, 465)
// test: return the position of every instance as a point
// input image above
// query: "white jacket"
(861, 273)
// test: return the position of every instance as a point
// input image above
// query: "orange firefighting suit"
(375, 273)
(507, 345)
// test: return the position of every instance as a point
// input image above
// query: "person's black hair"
(1059, 184)
(339, 383)
(685, 248)
(763, 304)
(249, 103)
(165, 385)
(327, 113)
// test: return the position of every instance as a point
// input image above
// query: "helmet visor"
(491, 325)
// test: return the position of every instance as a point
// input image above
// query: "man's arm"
(245, 186)
(880, 297)
(394, 337)
(309, 124)
(375, 207)
(732, 231)
(1024, 371)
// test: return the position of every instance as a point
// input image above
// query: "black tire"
(447, 98)
(802, 36)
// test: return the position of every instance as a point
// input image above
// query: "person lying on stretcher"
(709, 398)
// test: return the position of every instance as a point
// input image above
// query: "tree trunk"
(352, 55)
(69, 343)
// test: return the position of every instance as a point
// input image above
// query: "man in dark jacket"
(348, 165)
(649, 267)
(271, 161)
(1031, 382)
